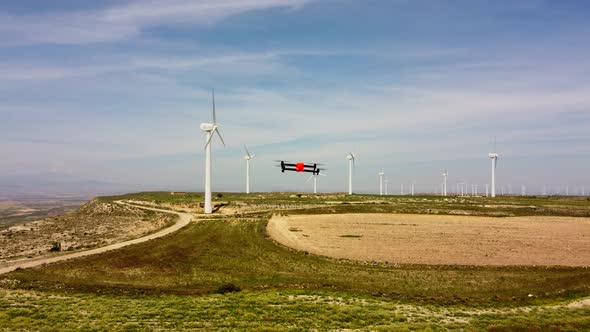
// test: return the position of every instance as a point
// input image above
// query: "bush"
(55, 246)
(227, 288)
(219, 196)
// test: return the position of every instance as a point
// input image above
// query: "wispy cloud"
(124, 21)
(125, 87)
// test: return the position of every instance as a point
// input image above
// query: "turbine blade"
(218, 134)
(247, 152)
(209, 140)
(494, 144)
(213, 99)
(309, 178)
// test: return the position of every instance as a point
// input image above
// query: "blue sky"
(116, 90)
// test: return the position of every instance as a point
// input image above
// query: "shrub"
(227, 288)
(219, 195)
(55, 246)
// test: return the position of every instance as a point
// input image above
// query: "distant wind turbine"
(494, 157)
(315, 181)
(209, 129)
(247, 157)
(445, 174)
(381, 182)
(351, 162)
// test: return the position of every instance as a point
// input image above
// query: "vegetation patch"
(268, 310)
(227, 288)
(351, 235)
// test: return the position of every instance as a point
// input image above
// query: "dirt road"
(183, 220)
(430, 239)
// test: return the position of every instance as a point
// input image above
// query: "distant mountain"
(52, 184)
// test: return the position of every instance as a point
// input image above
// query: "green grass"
(208, 254)
(270, 310)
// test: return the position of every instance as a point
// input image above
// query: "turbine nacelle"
(207, 126)
(248, 156)
(493, 155)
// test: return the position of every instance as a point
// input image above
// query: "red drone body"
(299, 167)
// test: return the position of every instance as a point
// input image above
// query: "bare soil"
(183, 220)
(447, 240)
(95, 224)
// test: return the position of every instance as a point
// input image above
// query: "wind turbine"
(247, 157)
(381, 181)
(445, 174)
(494, 157)
(315, 181)
(351, 160)
(209, 129)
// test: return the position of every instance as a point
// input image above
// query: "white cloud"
(124, 21)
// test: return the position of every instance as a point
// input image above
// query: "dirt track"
(183, 220)
(427, 239)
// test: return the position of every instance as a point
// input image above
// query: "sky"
(115, 91)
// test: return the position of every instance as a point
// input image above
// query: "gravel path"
(183, 220)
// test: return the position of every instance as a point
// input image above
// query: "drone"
(299, 167)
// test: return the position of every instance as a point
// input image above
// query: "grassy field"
(269, 310)
(281, 288)
(342, 203)
(204, 256)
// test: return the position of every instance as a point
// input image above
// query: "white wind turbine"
(381, 182)
(494, 157)
(351, 160)
(445, 174)
(247, 157)
(209, 129)
(315, 181)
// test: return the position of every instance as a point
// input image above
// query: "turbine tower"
(494, 157)
(381, 182)
(315, 181)
(350, 158)
(386, 181)
(247, 157)
(209, 129)
(445, 174)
